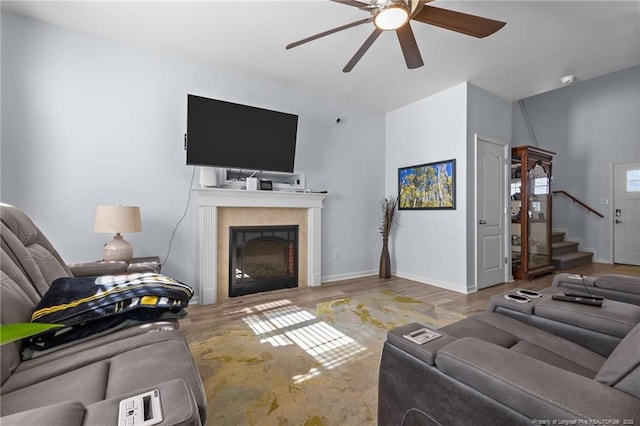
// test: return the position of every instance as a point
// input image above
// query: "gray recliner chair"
(82, 382)
(492, 369)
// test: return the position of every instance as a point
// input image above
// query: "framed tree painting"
(430, 186)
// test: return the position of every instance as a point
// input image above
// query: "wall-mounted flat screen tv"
(230, 135)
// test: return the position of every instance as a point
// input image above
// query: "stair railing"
(575, 200)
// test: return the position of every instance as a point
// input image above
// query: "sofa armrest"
(61, 414)
(178, 406)
(538, 390)
(425, 352)
(93, 269)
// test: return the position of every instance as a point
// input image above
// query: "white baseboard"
(430, 281)
(348, 276)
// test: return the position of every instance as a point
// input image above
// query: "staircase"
(565, 254)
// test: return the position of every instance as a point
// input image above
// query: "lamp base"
(117, 249)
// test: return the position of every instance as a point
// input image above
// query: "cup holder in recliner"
(517, 298)
(522, 296)
(529, 293)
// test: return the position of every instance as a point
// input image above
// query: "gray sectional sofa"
(83, 382)
(537, 361)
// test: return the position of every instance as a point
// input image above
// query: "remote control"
(588, 296)
(581, 300)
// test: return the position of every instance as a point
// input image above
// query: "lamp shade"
(117, 219)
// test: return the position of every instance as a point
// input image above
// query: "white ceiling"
(542, 41)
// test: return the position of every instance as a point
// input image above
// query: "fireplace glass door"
(262, 259)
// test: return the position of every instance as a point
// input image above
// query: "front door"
(626, 213)
(490, 190)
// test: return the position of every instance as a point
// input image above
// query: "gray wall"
(438, 246)
(89, 121)
(590, 125)
(430, 245)
(488, 116)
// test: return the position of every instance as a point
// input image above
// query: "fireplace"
(262, 258)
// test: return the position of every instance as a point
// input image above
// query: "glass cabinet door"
(538, 185)
(516, 213)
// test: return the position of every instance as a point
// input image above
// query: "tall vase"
(385, 260)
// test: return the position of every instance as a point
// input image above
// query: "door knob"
(482, 222)
(618, 222)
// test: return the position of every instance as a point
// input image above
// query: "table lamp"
(115, 220)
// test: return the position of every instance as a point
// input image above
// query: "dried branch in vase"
(388, 205)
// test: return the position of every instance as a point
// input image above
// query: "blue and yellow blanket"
(88, 305)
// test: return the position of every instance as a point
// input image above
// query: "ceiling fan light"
(391, 17)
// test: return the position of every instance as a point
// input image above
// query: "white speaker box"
(208, 177)
(252, 184)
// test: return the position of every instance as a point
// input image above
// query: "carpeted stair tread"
(571, 260)
(563, 247)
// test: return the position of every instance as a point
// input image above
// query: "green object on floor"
(21, 330)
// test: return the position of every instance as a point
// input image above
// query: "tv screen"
(225, 134)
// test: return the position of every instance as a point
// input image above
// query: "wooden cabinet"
(531, 210)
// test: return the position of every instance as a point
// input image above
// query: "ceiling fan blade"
(363, 49)
(409, 47)
(328, 32)
(464, 23)
(353, 3)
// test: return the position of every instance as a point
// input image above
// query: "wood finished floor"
(205, 316)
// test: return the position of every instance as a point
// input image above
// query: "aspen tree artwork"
(427, 186)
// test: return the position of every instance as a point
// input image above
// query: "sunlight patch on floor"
(281, 324)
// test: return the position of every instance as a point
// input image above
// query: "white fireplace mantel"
(210, 199)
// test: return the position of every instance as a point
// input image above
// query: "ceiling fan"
(387, 15)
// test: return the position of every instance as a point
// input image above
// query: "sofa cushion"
(531, 387)
(100, 373)
(528, 340)
(622, 368)
(86, 385)
(62, 414)
(625, 283)
(103, 348)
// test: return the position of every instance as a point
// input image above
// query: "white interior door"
(626, 213)
(491, 201)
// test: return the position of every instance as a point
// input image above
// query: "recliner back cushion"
(625, 283)
(15, 306)
(30, 249)
(622, 369)
(18, 277)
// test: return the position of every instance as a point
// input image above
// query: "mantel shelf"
(242, 198)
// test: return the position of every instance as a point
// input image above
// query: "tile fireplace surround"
(220, 208)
